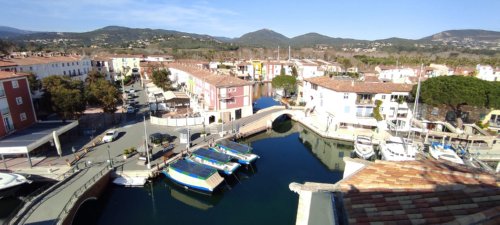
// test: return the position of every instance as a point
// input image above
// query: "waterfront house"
(349, 103)
(307, 69)
(411, 192)
(218, 97)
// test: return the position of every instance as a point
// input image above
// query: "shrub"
(376, 111)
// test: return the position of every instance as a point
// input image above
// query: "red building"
(16, 106)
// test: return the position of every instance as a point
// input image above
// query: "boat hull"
(246, 159)
(207, 185)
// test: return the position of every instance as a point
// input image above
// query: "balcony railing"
(364, 102)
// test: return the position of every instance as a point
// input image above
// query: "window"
(15, 84)
(67, 64)
(346, 95)
(314, 86)
(64, 73)
(19, 100)
(62, 64)
(23, 116)
(383, 96)
(341, 154)
(77, 63)
(72, 63)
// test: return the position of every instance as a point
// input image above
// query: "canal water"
(260, 195)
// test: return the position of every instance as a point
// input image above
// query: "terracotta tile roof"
(5, 63)
(371, 79)
(358, 86)
(35, 60)
(207, 76)
(11, 74)
(420, 192)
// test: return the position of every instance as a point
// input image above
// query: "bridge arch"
(90, 198)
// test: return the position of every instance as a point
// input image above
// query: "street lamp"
(146, 143)
(109, 157)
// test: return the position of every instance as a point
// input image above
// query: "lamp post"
(146, 142)
(109, 157)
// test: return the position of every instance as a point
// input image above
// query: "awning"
(24, 141)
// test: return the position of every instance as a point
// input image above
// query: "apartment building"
(16, 106)
(220, 97)
(43, 66)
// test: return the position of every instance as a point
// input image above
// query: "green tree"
(65, 95)
(294, 72)
(34, 83)
(456, 91)
(161, 78)
(93, 76)
(285, 82)
(104, 94)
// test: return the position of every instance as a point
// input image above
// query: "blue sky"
(360, 19)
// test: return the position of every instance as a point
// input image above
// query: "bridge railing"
(30, 202)
(79, 192)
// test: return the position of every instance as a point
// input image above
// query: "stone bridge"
(60, 203)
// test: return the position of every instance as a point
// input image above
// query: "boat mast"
(415, 105)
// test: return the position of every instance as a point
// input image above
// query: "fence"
(177, 122)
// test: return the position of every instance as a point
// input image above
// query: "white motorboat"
(193, 175)
(130, 181)
(363, 147)
(445, 152)
(10, 182)
(398, 149)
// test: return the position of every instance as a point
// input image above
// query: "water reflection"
(329, 151)
(262, 90)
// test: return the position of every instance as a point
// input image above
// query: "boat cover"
(193, 169)
(212, 155)
(243, 149)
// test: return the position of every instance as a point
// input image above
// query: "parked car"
(110, 136)
(131, 90)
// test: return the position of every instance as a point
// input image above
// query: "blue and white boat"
(445, 152)
(193, 175)
(217, 160)
(240, 152)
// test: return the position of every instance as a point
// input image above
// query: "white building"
(394, 74)
(159, 58)
(74, 66)
(346, 103)
(307, 69)
(486, 72)
(126, 63)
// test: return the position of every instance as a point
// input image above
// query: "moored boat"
(363, 147)
(240, 152)
(398, 149)
(214, 159)
(193, 175)
(445, 152)
(10, 182)
(130, 181)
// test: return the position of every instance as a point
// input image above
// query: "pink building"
(221, 97)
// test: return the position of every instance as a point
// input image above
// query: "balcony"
(226, 96)
(364, 102)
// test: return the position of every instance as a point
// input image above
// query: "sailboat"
(397, 148)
